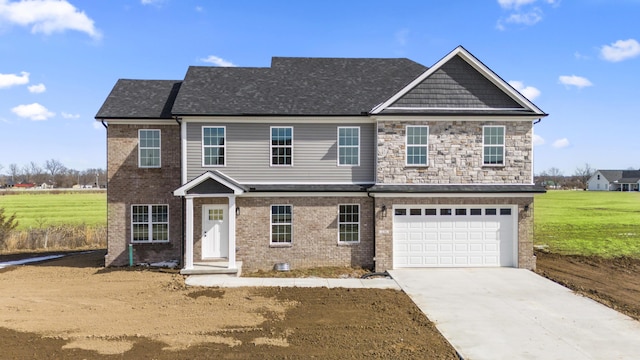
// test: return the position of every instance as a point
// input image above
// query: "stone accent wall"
(315, 233)
(455, 154)
(384, 225)
(128, 184)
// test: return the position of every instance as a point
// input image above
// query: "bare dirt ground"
(73, 308)
(614, 282)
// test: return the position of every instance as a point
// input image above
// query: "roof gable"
(211, 183)
(459, 82)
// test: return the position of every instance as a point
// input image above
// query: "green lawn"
(588, 222)
(44, 209)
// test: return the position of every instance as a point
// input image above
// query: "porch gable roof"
(211, 182)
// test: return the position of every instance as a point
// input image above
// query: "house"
(379, 163)
(614, 180)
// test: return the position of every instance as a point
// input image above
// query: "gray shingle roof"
(295, 86)
(140, 99)
(621, 176)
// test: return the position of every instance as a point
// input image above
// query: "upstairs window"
(349, 146)
(282, 146)
(149, 223)
(493, 145)
(148, 148)
(213, 146)
(417, 145)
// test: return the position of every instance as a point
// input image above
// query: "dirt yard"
(73, 308)
(613, 282)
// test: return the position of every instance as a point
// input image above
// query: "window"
(505, 211)
(490, 211)
(476, 211)
(401, 212)
(281, 228)
(430, 212)
(349, 223)
(282, 146)
(445, 211)
(213, 146)
(461, 211)
(148, 148)
(417, 145)
(149, 223)
(349, 146)
(493, 145)
(415, 212)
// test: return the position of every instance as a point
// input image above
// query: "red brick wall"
(128, 184)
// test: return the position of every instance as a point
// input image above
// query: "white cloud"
(37, 89)
(528, 91)
(152, 2)
(538, 140)
(47, 16)
(620, 50)
(9, 80)
(526, 18)
(573, 80)
(561, 143)
(70, 116)
(510, 4)
(35, 112)
(98, 125)
(217, 61)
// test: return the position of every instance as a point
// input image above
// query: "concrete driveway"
(506, 313)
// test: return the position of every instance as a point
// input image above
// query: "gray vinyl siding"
(315, 149)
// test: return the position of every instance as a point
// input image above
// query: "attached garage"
(455, 236)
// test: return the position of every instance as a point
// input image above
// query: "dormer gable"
(458, 83)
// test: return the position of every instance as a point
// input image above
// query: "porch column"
(232, 232)
(188, 246)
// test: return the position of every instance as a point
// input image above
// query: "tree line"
(52, 173)
(554, 178)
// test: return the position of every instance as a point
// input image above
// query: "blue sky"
(579, 61)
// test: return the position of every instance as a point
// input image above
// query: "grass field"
(588, 222)
(34, 210)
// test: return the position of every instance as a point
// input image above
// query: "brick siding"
(128, 184)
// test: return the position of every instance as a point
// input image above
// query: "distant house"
(24, 186)
(614, 180)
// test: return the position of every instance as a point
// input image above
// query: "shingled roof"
(295, 86)
(140, 99)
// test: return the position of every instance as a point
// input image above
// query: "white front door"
(215, 231)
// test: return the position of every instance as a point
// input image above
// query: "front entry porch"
(210, 224)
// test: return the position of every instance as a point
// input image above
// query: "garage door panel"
(456, 240)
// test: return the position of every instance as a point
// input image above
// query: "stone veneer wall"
(384, 225)
(454, 154)
(315, 233)
(128, 184)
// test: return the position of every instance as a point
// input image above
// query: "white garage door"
(454, 236)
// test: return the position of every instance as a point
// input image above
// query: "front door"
(215, 231)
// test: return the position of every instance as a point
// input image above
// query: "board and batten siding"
(315, 148)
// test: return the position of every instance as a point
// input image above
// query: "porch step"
(214, 268)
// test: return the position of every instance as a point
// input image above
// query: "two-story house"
(380, 163)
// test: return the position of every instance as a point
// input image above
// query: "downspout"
(182, 216)
(374, 228)
(103, 124)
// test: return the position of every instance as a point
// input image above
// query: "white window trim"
(159, 149)
(271, 223)
(150, 223)
(406, 146)
(348, 146)
(285, 146)
(504, 140)
(224, 147)
(340, 223)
